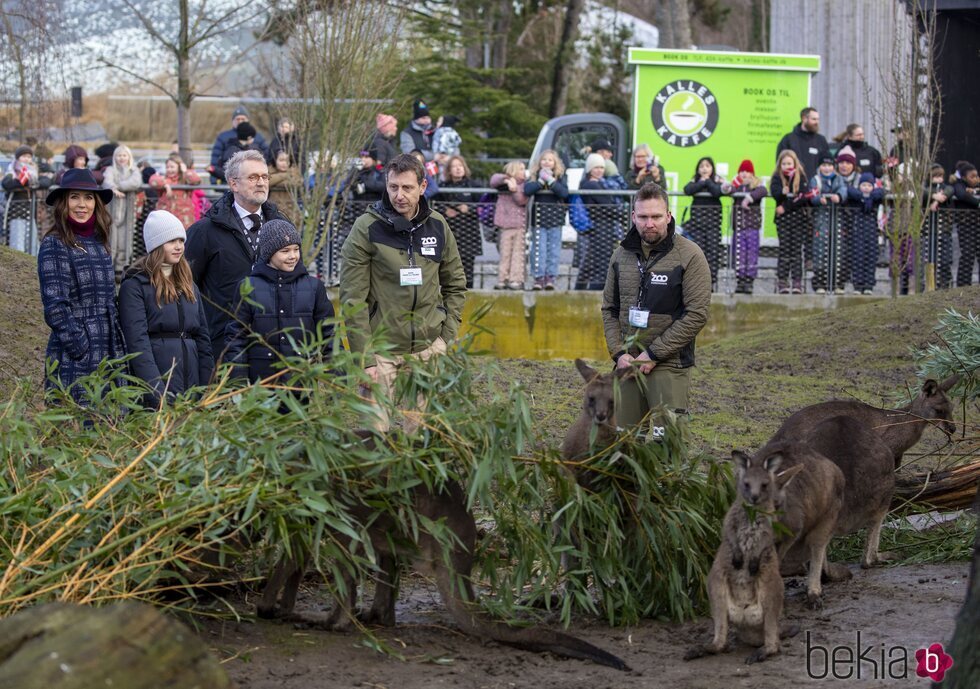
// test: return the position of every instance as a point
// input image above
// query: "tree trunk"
(681, 21)
(500, 40)
(564, 58)
(123, 645)
(965, 645)
(18, 58)
(184, 93)
(665, 25)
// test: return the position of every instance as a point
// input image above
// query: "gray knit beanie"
(161, 227)
(276, 235)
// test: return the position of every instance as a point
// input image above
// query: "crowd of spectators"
(821, 192)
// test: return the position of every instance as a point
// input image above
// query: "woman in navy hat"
(78, 288)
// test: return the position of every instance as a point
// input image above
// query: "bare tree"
(341, 62)
(24, 28)
(911, 112)
(564, 58)
(191, 43)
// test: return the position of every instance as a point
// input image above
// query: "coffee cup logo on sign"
(685, 113)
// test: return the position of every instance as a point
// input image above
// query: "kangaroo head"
(598, 402)
(933, 404)
(755, 477)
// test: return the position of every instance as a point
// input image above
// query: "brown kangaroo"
(867, 444)
(598, 412)
(451, 574)
(744, 585)
(899, 429)
(809, 506)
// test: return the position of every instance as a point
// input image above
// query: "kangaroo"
(598, 412)
(809, 505)
(744, 585)
(899, 429)
(867, 467)
(451, 574)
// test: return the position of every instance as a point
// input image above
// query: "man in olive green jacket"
(655, 302)
(401, 271)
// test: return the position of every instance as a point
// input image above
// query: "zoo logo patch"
(685, 113)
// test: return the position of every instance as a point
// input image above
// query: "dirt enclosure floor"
(894, 608)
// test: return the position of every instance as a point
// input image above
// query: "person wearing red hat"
(748, 192)
(78, 283)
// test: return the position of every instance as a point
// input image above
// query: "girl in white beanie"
(162, 314)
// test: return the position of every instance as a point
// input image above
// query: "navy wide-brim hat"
(78, 179)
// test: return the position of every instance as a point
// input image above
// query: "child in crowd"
(936, 202)
(868, 197)
(547, 174)
(180, 202)
(704, 228)
(827, 188)
(594, 247)
(431, 174)
(849, 172)
(748, 191)
(510, 218)
(966, 198)
(285, 305)
(367, 183)
(446, 140)
(162, 314)
(788, 188)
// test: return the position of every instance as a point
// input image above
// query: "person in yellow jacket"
(401, 272)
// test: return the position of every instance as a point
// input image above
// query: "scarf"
(82, 229)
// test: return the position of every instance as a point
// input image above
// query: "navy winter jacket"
(286, 306)
(172, 340)
(549, 209)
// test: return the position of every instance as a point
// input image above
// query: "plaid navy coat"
(78, 291)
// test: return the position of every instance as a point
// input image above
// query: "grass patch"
(915, 539)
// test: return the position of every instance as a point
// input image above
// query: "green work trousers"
(665, 385)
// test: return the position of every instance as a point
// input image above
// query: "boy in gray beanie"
(285, 306)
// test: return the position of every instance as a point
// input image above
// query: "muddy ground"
(893, 609)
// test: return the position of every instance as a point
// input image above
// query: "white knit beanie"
(161, 227)
(594, 160)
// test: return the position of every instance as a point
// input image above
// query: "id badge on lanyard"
(639, 318)
(410, 276)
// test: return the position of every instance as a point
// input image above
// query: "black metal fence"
(832, 248)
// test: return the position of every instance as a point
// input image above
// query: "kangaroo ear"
(588, 373)
(741, 459)
(948, 384)
(930, 388)
(784, 478)
(625, 373)
(772, 462)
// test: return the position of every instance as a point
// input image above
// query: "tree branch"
(140, 77)
(148, 26)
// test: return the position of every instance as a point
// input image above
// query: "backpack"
(485, 208)
(578, 214)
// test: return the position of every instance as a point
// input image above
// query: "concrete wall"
(855, 40)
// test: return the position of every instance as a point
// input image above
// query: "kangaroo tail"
(537, 639)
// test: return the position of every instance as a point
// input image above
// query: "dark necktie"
(253, 234)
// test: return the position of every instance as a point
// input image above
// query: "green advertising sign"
(729, 106)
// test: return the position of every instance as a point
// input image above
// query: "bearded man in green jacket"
(655, 302)
(401, 272)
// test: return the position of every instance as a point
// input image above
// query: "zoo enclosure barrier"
(819, 249)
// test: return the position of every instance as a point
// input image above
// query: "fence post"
(932, 250)
(833, 242)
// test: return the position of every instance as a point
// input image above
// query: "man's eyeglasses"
(254, 179)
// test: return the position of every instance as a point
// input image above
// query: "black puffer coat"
(287, 305)
(220, 258)
(172, 340)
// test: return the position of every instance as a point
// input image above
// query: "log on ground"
(126, 644)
